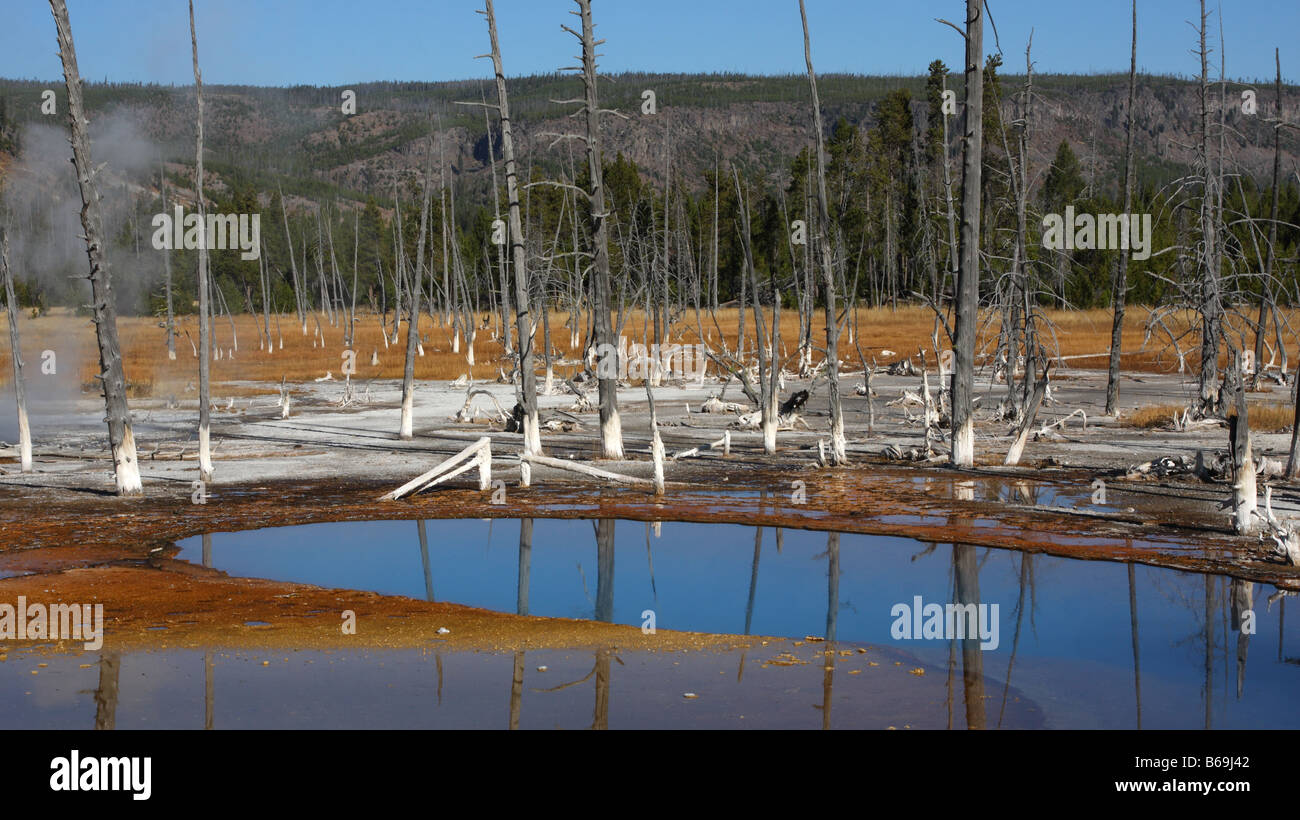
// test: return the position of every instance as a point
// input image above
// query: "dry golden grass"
(305, 357)
(1271, 418)
(1264, 418)
(1154, 416)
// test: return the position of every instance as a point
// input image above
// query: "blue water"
(1074, 654)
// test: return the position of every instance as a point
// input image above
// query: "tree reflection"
(209, 691)
(832, 617)
(516, 690)
(525, 564)
(1243, 617)
(110, 664)
(967, 586)
(605, 570)
(424, 560)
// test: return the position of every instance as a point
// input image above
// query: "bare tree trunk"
(967, 588)
(950, 210)
(1266, 287)
(447, 301)
(838, 455)
(205, 339)
(1211, 299)
(106, 693)
(1244, 494)
(167, 276)
(356, 252)
(968, 275)
(264, 271)
(496, 192)
(1027, 418)
(293, 267)
(523, 321)
(767, 405)
(413, 320)
(1120, 292)
(126, 468)
(1293, 459)
(16, 354)
(611, 429)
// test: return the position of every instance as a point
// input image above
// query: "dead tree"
(126, 468)
(413, 321)
(611, 429)
(1244, 493)
(264, 280)
(769, 356)
(523, 321)
(293, 268)
(968, 273)
(167, 276)
(507, 345)
(205, 340)
(1211, 298)
(16, 354)
(1027, 417)
(1267, 305)
(1293, 459)
(1019, 306)
(1120, 292)
(838, 456)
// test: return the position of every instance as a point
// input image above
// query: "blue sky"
(337, 42)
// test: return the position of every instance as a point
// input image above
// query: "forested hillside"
(886, 152)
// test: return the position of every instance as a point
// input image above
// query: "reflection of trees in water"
(600, 717)
(600, 671)
(967, 591)
(110, 665)
(1182, 590)
(424, 560)
(1026, 586)
(964, 570)
(209, 691)
(1243, 602)
(832, 618)
(650, 558)
(525, 565)
(1217, 607)
(516, 689)
(605, 570)
(1134, 635)
(753, 578)
(1206, 600)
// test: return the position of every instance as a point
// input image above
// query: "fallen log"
(1061, 421)
(1031, 412)
(584, 469)
(478, 454)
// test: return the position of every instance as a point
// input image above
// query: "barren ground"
(65, 535)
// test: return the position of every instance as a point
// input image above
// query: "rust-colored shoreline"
(58, 529)
(77, 546)
(163, 607)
